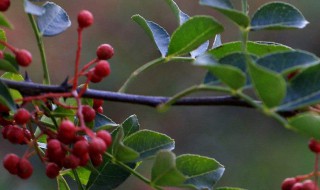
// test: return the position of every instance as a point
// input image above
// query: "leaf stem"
(76, 176)
(132, 171)
(245, 6)
(148, 65)
(196, 88)
(46, 77)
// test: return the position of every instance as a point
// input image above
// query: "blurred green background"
(257, 152)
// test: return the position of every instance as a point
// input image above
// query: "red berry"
(5, 130)
(1, 52)
(54, 145)
(314, 146)
(105, 51)
(93, 77)
(71, 161)
(25, 168)
(67, 132)
(297, 186)
(22, 116)
(52, 170)
(23, 57)
(88, 113)
(309, 185)
(10, 162)
(96, 159)
(288, 183)
(15, 135)
(84, 159)
(4, 108)
(97, 146)
(80, 148)
(105, 136)
(4, 5)
(85, 19)
(97, 103)
(102, 69)
(99, 110)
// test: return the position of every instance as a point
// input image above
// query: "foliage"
(284, 80)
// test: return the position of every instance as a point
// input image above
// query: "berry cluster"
(303, 182)
(73, 146)
(69, 145)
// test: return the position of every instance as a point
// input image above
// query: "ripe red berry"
(99, 110)
(25, 168)
(15, 135)
(10, 162)
(67, 132)
(85, 19)
(288, 183)
(4, 5)
(102, 69)
(84, 159)
(4, 131)
(309, 185)
(4, 108)
(297, 186)
(52, 170)
(93, 77)
(80, 148)
(96, 159)
(88, 113)
(23, 57)
(22, 116)
(71, 161)
(314, 146)
(97, 103)
(105, 51)
(105, 136)
(97, 146)
(53, 145)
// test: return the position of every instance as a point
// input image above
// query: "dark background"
(257, 152)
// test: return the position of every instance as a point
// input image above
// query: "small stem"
(148, 65)
(164, 107)
(76, 176)
(79, 111)
(46, 77)
(245, 7)
(316, 168)
(77, 63)
(132, 171)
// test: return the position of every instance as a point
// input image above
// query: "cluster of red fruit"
(302, 182)
(73, 146)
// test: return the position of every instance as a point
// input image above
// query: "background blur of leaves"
(257, 152)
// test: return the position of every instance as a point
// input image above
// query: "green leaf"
(102, 122)
(229, 188)
(164, 171)
(130, 125)
(288, 61)
(6, 98)
(202, 172)
(277, 16)
(180, 16)
(7, 66)
(256, 48)
(230, 75)
(62, 183)
(307, 124)
(15, 94)
(269, 86)
(225, 7)
(147, 143)
(108, 176)
(303, 90)
(192, 34)
(3, 37)
(122, 152)
(83, 174)
(4, 22)
(158, 34)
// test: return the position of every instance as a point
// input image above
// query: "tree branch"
(33, 89)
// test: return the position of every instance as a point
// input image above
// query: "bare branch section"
(32, 89)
